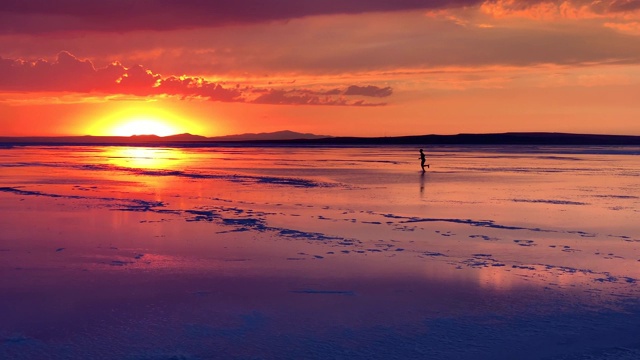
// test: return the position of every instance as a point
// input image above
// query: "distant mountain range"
(526, 138)
(284, 135)
(295, 138)
(278, 135)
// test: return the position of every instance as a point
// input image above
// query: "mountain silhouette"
(278, 135)
(295, 138)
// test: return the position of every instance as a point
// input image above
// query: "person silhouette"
(422, 160)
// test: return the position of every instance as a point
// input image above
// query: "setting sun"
(144, 119)
(144, 126)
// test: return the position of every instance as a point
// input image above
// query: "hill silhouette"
(278, 135)
(288, 137)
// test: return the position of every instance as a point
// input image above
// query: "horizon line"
(317, 135)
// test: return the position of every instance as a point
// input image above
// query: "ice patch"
(133, 204)
(431, 253)
(617, 196)
(483, 237)
(17, 339)
(162, 355)
(554, 202)
(120, 263)
(329, 292)
(479, 223)
(285, 181)
(525, 242)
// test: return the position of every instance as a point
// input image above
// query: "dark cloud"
(286, 98)
(624, 5)
(333, 92)
(42, 16)
(70, 74)
(369, 90)
(47, 16)
(307, 97)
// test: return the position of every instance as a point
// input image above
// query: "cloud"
(632, 27)
(335, 46)
(306, 97)
(555, 9)
(45, 16)
(68, 74)
(624, 5)
(117, 16)
(283, 97)
(370, 90)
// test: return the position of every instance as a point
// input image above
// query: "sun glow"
(144, 119)
(144, 126)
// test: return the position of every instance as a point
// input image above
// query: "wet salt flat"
(289, 252)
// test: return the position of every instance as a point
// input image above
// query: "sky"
(329, 67)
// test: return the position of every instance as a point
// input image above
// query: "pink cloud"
(553, 9)
(632, 27)
(70, 74)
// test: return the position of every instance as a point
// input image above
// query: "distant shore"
(188, 140)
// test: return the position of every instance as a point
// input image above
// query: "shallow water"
(156, 253)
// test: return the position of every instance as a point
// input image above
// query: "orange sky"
(359, 68)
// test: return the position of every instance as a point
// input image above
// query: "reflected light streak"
(144, 158)
(495, 279)
(505, 278)
(146, 165)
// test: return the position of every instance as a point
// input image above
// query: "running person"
(422, 160)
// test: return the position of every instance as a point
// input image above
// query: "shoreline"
(498, 139)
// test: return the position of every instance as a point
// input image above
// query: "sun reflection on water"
(144, 157)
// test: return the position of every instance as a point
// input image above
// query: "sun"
(143, 119)
(144, 126)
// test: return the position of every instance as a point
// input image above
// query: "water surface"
(131, 252)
